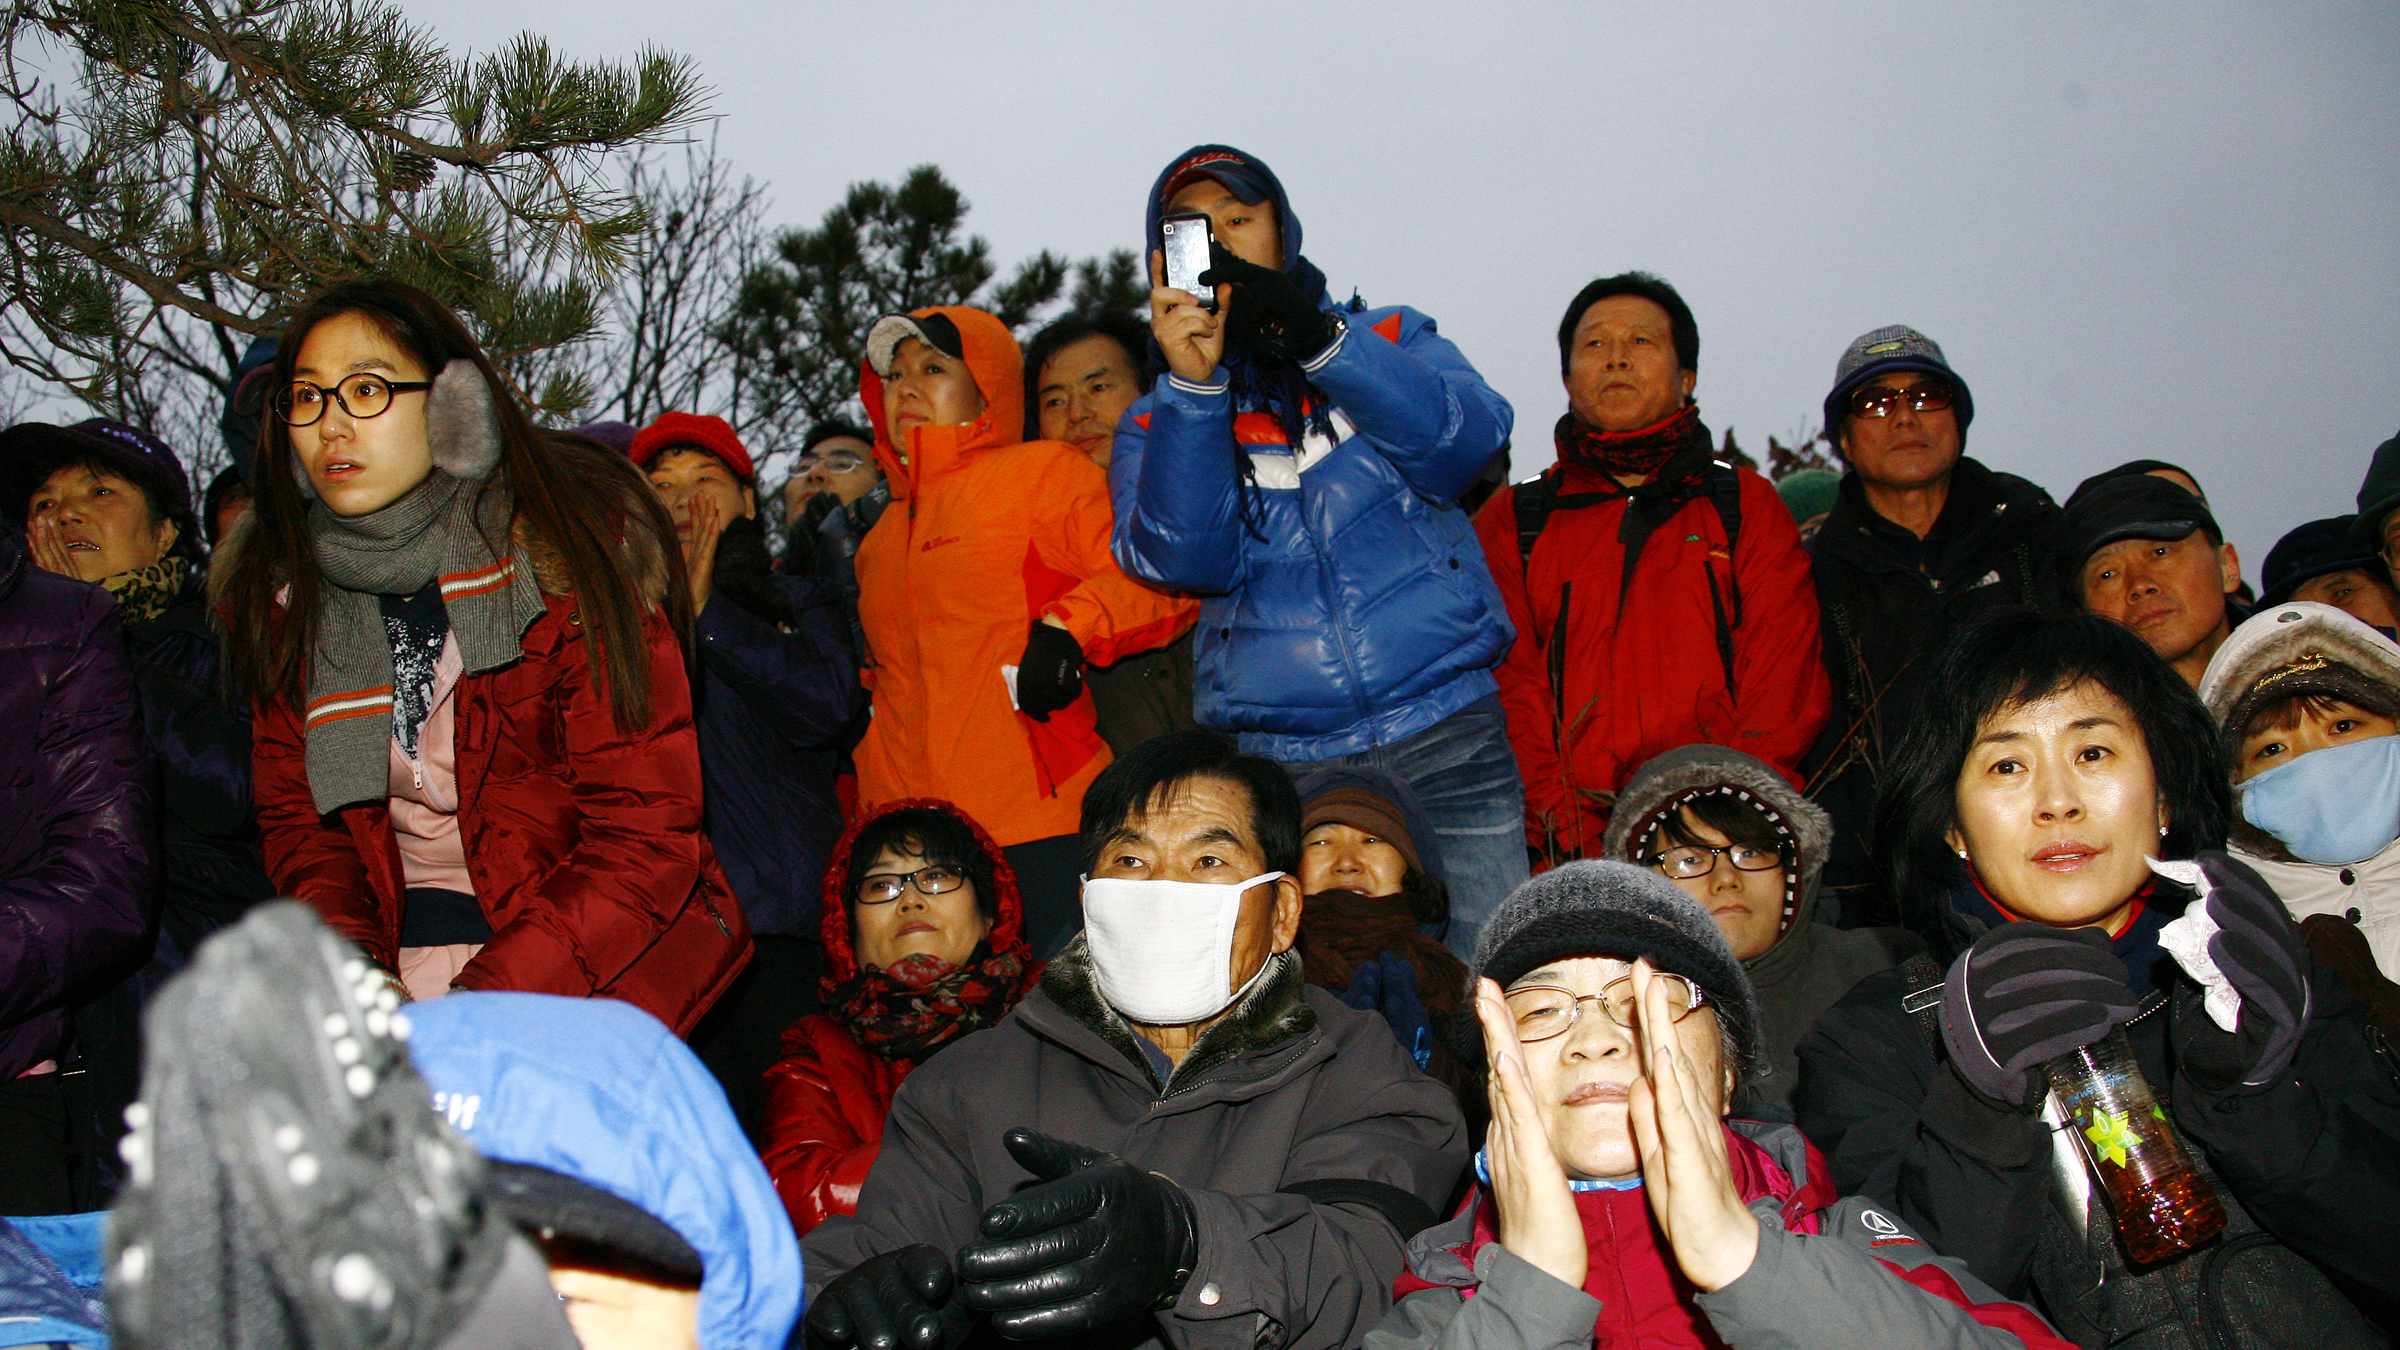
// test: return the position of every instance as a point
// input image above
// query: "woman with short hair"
(2025, 819)
(924, 943)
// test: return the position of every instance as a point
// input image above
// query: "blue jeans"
(1465, 778)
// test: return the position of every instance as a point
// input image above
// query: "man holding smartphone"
(1300, 466)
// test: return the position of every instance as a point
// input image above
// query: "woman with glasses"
(1732, 834)
(2052, 826)
(924, 942)
(475, 754)
(1618, 1205)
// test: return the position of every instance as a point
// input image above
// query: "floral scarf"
(920, 1003)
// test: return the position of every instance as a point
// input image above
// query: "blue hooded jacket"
(602, 1092)
(1346, 601)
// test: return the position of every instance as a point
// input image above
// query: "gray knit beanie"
(1618, 909)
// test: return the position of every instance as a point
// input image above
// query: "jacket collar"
(1770, 1161)
(1273, 1016)
(1980, 502)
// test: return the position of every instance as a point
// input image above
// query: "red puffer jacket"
(828, 1095)
(584, 841)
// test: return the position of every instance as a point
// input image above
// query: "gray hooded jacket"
(1811, 965)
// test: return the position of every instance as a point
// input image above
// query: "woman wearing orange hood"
(924, 943)
(983, 591)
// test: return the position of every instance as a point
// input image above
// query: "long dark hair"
(595, 520)
(2017, 656)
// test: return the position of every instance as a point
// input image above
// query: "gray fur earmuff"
(460, 426)
(460, 422)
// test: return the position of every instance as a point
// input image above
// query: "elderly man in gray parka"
(1175, 1140)
(1694, 809)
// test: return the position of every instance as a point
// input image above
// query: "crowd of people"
(1151, 838)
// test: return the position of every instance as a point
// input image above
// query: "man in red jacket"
(1661, 597)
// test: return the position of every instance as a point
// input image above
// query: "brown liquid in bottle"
(2162, 1205)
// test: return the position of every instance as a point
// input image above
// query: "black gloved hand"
(2259, 950)
(1097, 1239)
(899, 1300)
(2026, 993)
(1269, 315)
(1050, 673)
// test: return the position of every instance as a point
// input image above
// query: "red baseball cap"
(697, 431)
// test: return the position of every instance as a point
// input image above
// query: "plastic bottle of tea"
(2163, 1206)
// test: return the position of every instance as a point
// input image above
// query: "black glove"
(1050, 674)
(2258, 949)
(900, 1300)
(1269, 315)
(2025, 994)
(1097, 1239)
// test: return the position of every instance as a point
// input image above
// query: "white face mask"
(1164, 949)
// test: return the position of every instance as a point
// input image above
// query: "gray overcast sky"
(2138, 228)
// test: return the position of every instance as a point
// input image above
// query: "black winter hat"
(2136, 506)
(2379, 493)
(2129, 469)
(2310, 551)
(30, 451)
(1617, 909)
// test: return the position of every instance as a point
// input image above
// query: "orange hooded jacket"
(985, 536)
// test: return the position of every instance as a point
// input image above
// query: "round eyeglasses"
(301, 403)
(1542, 1011)
(1879, 400)
(1698, 860)
(882, 888)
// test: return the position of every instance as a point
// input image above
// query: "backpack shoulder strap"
(1921, 976)
(1533, 500)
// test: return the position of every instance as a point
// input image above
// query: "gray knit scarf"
(430, 534)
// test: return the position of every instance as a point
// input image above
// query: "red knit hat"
(699, 431)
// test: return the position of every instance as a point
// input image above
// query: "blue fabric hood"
(603, 1092)
(1253, 182)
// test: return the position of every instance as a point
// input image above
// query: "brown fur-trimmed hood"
(641, 549)
(1669, 780)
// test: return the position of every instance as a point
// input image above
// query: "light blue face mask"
(2332, 806)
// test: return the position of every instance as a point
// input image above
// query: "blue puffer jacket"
(1365, 614)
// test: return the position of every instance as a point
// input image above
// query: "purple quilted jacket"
(77, 850)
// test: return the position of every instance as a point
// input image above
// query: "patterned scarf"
(145, 592)
(918, 1004)
(1625, 454)
(429, 535)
